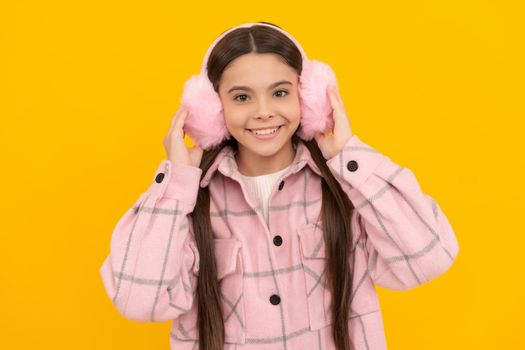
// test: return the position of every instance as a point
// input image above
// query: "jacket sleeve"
(150, 272)
(407, 238)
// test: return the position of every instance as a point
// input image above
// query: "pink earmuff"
(205, 122)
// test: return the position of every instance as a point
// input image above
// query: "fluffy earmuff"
(316, 109)
(205, 121)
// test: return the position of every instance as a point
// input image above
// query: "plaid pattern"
(402, 239)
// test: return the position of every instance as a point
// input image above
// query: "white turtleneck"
(260, 187)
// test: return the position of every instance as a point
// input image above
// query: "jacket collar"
(225, 163)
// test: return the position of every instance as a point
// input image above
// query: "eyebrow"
(237, 87)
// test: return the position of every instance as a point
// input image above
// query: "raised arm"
(408, 238)
(149, 273)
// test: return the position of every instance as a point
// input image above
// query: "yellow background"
(88, 90)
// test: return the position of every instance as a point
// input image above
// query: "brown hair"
(336, 207)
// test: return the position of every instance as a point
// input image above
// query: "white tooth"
(265, 131)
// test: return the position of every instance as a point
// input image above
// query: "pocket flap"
(226, 255)
(312, 241)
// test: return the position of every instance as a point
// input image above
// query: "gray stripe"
(356, 288)
(270, 340)
(157, 210)
(147, 281)
(164, 263)
(364, 333)
(222, 213)
(317, 283)
(233, 308)
(305, 201)
(380, 192)
(378, 195)
(294, 204)
(405, 257)
(225, 198)
(271, 272)
(252, 211)
(175, 306)
(434, 208)
(225, 201)
(283, 338)
(416, 255)
(185, 333)
(375, 197)
(177, 339)
(314, 275)
(128, 243)
(283, 329)
(359, 148)
(372, 261)
(319, 244)
(180, 308)
(434, 233)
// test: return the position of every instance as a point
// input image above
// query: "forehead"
(257, 71)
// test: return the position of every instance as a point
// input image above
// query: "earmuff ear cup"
(205, 122)
(316, 110)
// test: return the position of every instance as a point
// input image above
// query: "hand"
(333, 141)
(174, 143)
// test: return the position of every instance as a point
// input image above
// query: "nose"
(266, 115)
(264, 111)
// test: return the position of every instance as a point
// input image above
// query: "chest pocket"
(318, 294)
(231, 283)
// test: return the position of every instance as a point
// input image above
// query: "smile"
(265, 134)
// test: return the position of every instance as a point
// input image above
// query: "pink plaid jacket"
(272, 278)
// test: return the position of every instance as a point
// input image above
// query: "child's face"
(262, 106)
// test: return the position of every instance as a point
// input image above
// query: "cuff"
(355, 162)
(177, 181)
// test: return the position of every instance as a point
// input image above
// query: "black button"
(159, 178)
(275, 299)
(352, 165)
(277, 240)
(281, 185)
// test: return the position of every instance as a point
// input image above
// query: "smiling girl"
(272, 232)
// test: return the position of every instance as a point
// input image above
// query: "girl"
(262, 236)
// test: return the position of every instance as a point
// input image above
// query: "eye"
(236, 98)
(286, 92)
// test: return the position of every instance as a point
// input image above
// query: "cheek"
(292, 111)
(235, 117)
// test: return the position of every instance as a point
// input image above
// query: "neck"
(253, 164)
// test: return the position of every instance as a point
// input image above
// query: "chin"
(265, 150)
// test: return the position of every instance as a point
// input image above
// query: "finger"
(338, 95)
(174, 120)
(340, 98)
(179, 123)
(333, 99)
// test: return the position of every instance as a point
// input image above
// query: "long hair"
(336, 207)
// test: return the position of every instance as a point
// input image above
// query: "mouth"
(265, 134)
